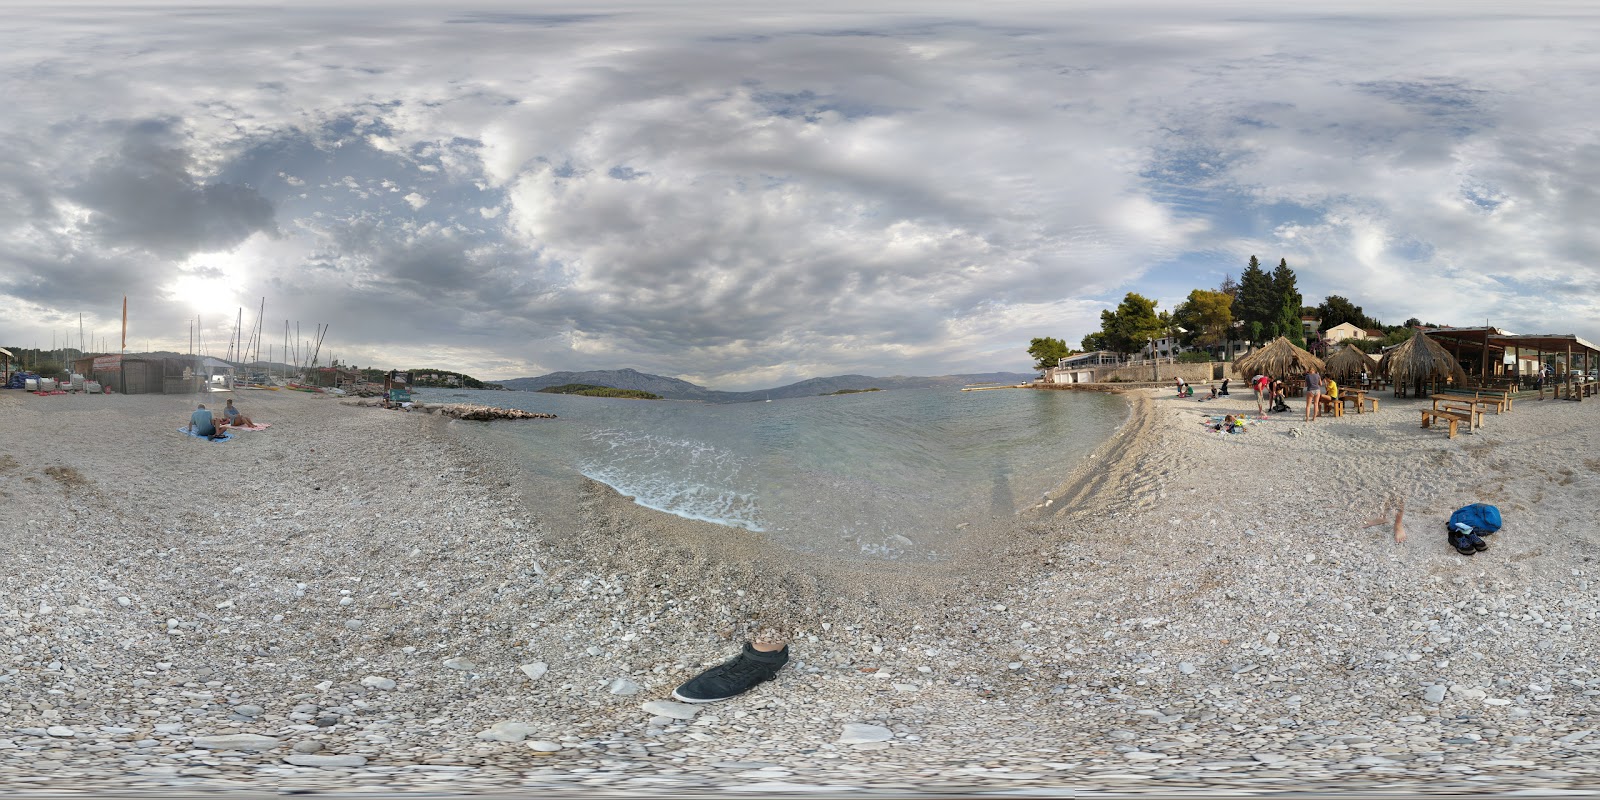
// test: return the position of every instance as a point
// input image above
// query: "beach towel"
(186, 432)
(259, 426)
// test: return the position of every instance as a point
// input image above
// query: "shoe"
(734, 677)
(1462, 544)
(1477, 542)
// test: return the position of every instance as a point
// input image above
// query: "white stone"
(378, 682)
(536, 670)
(60, 732)
(236, 741)
(124, 602)
(667, 708)
(624, 687)
(1433, 695)
(858, 733)
(459, 663)
(508, 731)
(1185, 668)
(318, 760)
(542, 746)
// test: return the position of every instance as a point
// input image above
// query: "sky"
(744, 195)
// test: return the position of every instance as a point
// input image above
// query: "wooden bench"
(1473, 412)
(1452, 417)
(1500, 402)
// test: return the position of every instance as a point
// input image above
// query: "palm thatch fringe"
(1350, 362)
(1279, 359)
(1421, 358)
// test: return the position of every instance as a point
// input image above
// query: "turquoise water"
(879, 474)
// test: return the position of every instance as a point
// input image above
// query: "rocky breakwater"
(466, 411)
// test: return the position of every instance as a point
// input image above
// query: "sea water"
(876, 474)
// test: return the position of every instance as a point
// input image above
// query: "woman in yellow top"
(1330, 395)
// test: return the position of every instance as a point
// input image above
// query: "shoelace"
(743, 667)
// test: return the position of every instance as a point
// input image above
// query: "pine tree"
(1288, 299)
(1257, 304)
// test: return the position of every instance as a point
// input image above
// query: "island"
(591, 390)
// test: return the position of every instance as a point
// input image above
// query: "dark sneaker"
(1461, 544)
(1477, 542)
(734, 677)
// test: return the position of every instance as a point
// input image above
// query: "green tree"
(1288, 303)
(1207, 315)
(1095, 341)
(1257, 303)
(1047, 352)
(1336, 310)
(1132, 324)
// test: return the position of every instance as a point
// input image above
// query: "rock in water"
(858, 733)
(236, 741)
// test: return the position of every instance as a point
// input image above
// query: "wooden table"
(1358, 397)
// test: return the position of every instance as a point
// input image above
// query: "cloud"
(766, 197)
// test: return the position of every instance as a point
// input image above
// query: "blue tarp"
(19, 380)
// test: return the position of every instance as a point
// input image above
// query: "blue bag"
(1481, 517)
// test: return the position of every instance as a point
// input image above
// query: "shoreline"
(1192, 610)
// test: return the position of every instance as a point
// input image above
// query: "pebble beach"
(355, 599)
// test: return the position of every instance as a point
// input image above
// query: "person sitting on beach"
(1224, 391)
(1181, 385)
(201, 423)
(1279, 395)
(235, 418)
(1330, 396)
(1213, 394)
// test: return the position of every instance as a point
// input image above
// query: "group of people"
(1185, 390)
(1322, 394)
(203, 423)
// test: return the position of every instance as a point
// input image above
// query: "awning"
(7, 353)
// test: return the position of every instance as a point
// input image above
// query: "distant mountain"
(675, 389)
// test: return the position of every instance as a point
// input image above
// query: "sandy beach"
(356, 598)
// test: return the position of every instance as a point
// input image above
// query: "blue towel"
(185, 431)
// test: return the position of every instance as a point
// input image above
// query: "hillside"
(676, 389)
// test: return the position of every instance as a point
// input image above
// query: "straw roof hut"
(1349, 362)
(1419, 359)
(1280, 358)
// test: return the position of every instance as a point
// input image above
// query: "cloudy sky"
(748, 197)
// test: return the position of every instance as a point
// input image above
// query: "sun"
(206, 284)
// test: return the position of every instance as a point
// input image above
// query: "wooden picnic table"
(1357, 397)
(1501, 400)
(1461, 405)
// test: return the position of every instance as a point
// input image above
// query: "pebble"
(247, 711)
(508, 731)
(60, 732)
(624, 687)
(542, 746)
(1433, 695)
(378, 682)
(667, 708)
(307, 747)
(319, 760)
(860, 733)
(1186, 668)
(536, 670)
(459, 663)
(236, 741)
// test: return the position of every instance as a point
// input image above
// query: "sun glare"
(206, 285)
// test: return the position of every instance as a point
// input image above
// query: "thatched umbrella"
(1418, 359)
(1279, 359)
(1350, 362)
